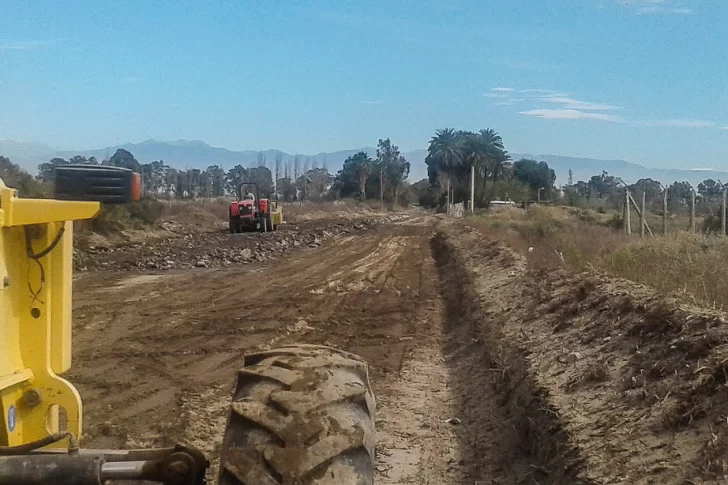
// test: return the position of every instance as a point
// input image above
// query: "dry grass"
(689, 265)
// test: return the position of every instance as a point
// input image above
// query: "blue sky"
(642, 80)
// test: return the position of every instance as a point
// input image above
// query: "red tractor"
(253, 213)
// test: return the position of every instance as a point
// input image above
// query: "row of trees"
(605, 189)
(366, 178)
(162, 180)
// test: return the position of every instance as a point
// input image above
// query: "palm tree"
(484, 152)
(445, 151)
(364, 168)
(501, 166)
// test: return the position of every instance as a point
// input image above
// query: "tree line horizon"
(453, 158)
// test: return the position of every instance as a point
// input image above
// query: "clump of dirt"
(183, 247)
(638, 380)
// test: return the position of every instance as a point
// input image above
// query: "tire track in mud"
(155, 359)
(158, 368)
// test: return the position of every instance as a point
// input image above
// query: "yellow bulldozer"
(300, 415)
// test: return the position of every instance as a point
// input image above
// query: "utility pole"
(381, 186)
(664, 213)
(472, 188)
(722, 212)
(642, 214)
(447, 200)
(692, 210)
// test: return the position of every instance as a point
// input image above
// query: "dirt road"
(485, 372)
(155, 354)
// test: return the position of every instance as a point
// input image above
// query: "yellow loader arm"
(40, 412)
(36, 271)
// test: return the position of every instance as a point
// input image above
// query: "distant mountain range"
(198, 154)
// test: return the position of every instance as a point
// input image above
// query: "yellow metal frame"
(35, 325)
(276, 215)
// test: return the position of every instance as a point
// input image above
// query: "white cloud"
(510, 102)
(24, 45)
(676, 123)
(539, 91)
(668, 10)
(570, 114)
(657, 7)
(569, 108)
(570, 103)
(502, 90)
(371, 102)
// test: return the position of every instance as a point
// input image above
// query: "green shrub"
(147, 210)
(428, 199)
(137, 215)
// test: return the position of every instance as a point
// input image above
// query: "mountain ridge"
(185, 154)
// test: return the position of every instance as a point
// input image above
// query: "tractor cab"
(253, 213)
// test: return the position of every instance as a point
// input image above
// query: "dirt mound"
(499, 394)
(202, 219)
(188, 249)
(637, 380)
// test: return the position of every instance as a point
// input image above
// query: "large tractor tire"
(301, 415)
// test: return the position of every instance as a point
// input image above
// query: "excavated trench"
(510, 433)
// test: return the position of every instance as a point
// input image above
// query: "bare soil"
(636, 382)
(484, 372)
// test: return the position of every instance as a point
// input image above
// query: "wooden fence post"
(639, 213)
(642, 216)
(628, 219)
(664, 213)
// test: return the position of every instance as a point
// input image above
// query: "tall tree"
(279, 164)
(484, 152)
(651, 188)
(217, 180)
(234, 177)
(603, 185)
(124, 158)
(679, 195)
(262, 178)
(296, 167)
(393, 167)
(536, 175)
(14, 176)
(46, 171)
(351, 181)
(709, 190)
(443, 154)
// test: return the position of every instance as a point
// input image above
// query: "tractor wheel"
(232, 226)
(300, 415)
(269, 224)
